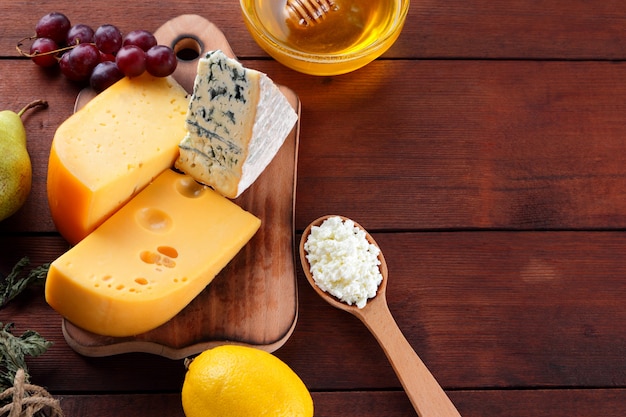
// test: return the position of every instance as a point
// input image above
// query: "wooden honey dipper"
(309, 12)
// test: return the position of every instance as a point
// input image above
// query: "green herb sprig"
(14, 283)
(13, 352)
(14, 349)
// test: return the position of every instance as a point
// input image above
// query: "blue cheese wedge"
(236, 122)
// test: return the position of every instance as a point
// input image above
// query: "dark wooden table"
(486, 152)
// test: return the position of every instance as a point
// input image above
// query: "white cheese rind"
(343, 262)
(237, 121)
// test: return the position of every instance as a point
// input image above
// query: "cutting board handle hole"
(187, 47)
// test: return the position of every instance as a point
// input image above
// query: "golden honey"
(351, 34)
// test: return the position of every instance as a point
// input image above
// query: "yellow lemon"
(239, 381)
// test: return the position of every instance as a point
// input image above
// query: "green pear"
(16, 172)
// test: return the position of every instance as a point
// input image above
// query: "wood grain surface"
(486, 153)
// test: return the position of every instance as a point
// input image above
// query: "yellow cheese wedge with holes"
(110, 149)
(145, 263)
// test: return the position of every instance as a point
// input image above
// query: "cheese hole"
(168, 251)
(189, 188)
(161, 259)
(187, 48)
(149, 257)
(167, 262)
(154, 219)
(141, 281)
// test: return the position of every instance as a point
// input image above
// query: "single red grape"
(84, 58)
(80, 33)
(108, 39)
(54, 26)
(78, 63)
(104, 75)
(131, 60)
(40, 51)
(161, 61)
(67, 69)
(141, 38)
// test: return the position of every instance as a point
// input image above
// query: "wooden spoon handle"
(425, 393)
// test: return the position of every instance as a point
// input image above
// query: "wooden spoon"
(425, 393)
(308, 12)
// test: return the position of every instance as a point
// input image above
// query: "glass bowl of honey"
(325, 37)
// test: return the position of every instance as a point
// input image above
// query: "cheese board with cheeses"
(253, 301)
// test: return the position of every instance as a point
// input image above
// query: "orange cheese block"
(110, 149)
(146, 262)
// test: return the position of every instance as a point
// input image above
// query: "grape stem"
(56, 51)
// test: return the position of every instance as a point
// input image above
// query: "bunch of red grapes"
(100, 57)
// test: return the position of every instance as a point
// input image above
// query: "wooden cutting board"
(254, 300)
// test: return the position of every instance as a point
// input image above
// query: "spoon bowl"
(332, 300)
(424, 392)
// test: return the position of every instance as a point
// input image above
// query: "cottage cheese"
(343, 262)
